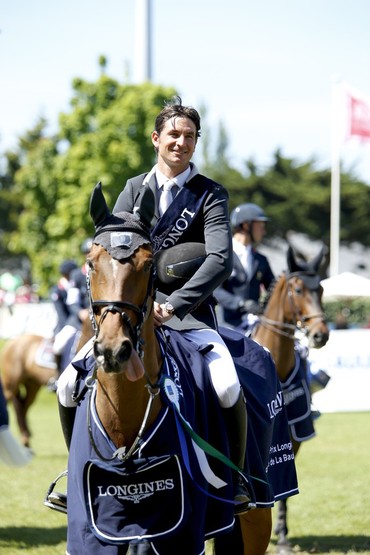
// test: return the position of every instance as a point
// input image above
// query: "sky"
(265, 69)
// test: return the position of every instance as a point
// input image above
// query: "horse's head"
(120, 271)
(302, 305)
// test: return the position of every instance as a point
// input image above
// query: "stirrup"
(242, 499)
(54, 499)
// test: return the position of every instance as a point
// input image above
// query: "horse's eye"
(89, 264)
(298, 290)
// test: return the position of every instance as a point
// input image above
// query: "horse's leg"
(256, 526)
(18, 404)
(250, 536)
(231, 542)
(21, 407)
(281, 527)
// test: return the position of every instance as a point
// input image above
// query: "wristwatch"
(169, 308)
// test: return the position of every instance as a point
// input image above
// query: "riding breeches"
(221, 365)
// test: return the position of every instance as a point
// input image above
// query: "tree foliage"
(104, 137)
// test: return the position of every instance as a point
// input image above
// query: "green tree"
(105, 137)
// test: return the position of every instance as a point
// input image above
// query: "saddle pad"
(142, 501)
(44, 354)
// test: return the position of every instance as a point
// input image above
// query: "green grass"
(330, 515)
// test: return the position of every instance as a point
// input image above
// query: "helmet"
(86, 245)
(247, 213)
(67, 267)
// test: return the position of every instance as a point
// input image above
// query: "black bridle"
(120, 307)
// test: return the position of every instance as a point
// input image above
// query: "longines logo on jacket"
(135, 492)
(172, 233)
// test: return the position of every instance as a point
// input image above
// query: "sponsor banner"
(35, 318)
(346, 358)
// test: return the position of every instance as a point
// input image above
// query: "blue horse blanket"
(168, 488)
(297, 399)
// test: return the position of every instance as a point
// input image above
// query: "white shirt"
(244, 253)
(179, 180)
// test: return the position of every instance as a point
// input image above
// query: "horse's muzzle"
(319, 339)
(112, 360)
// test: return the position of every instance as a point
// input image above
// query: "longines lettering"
(289, 396)
(180, 226)
(275, 405)
(135, 489)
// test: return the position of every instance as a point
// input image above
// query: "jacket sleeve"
(126, 199)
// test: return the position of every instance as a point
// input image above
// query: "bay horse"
(293, 304)
(136, 472)
(24, 371)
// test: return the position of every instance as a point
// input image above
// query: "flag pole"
(336, 138)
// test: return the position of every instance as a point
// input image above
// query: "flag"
(358, 116)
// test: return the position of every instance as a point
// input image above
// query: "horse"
(27, 363)
(141, 416)
(12, 452)
(293, 304)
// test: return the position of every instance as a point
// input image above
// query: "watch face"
(169, 308)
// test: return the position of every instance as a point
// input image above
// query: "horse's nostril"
(125, 351)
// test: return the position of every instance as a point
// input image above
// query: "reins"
(120, 453)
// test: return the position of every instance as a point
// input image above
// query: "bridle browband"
(284, 328)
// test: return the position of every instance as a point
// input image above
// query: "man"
(67, 324)
(190, 208)
(240, 293)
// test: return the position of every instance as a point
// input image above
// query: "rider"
(63, 330)
(76, 304)
(200, 212)
(239, 295)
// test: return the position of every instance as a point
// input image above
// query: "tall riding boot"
(67, 418)
(236, 425)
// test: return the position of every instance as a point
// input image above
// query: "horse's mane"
(270, 291)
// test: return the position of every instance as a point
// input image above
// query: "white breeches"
(62, 337)
(221, 365)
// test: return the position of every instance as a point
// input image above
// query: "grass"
(330, 515)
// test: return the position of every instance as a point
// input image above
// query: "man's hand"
(251, 307)
(161, 316)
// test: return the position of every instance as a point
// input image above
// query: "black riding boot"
(67, 418)
(236, 424)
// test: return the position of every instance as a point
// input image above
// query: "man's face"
(175, 145)
(258, 230)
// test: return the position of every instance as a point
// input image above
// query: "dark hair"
(175, 109)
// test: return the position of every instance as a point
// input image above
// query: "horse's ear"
(146, 206)
(99, 210)
(315, 263)
(292, 262)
